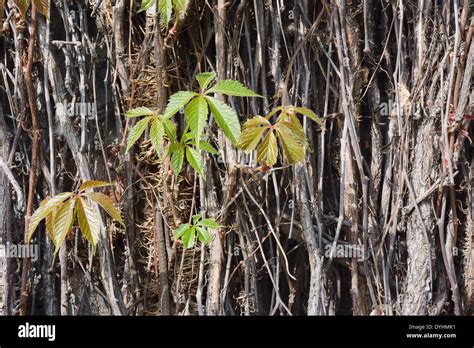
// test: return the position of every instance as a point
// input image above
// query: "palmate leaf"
(177, 159)
(165, 7)
(136, 132)
(170, 129)
(157, 133)
(267, 151)
(195, 160)
(177, 101)
(188, 237)
(226, 118)
(90, 184)
(62, 222)
(232, 88)
(196, 113)
(89, 222)
(205, 78)
(107, 204)
(45, 209)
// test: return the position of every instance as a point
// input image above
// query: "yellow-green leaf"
(63, 221)
(89, 222)
(309, 113)
(293, 148)
(90, 184)
(44, 210)
(267, 151)
(252, 132)
(107, 204)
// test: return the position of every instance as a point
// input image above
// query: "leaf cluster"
(61, 211)
(258, 132)
(201, 227)
(197, 108)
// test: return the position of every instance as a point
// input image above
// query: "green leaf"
(44, 210)
(140, 111)
(293, 148)
(252, 133)
(181, 230)
(226, 118)
(63, 221)
(196, 112)
(136, 132)
(232, 88)
(164, 8)
(309, 113)
(156, 135)
(146, 5)
(205, 237)
(204, 145)
(267, 151)
(90, 184)
(205, 78)
(210, 223)
(177, 159)
(89, 222)
(189, 237)
(107, 204)
(177, 101)
(195, 160)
